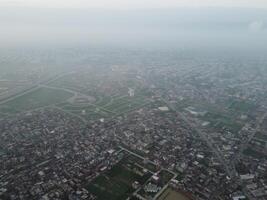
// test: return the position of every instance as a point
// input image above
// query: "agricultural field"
(38, 98)
(116, 184)
(221, 121)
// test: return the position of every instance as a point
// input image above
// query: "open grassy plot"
(116, 184)
(117, 102)
(125, 104)
(242, 106)
(2, 152)
(229, 125)
(71, 107)
(35, 99)
(91, 115)
(220, 121)
(165, 176)
(68, 82)
(103, 101)
(5, 109)
(2, 116)
(180, 176)
(261, 136)
(86, 111)
(253, 153)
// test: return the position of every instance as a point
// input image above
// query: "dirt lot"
(170, 194)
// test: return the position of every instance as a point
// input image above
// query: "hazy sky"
(159, 22)
(134, 4)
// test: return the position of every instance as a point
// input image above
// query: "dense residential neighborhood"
(133, 125)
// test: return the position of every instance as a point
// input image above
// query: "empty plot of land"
(170, 194)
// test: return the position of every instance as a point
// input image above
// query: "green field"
(261, 136)
(103, 101)
(241, 106)
(2, 115)
(219, 121)
(256, 154)
(90, 112)
(125, 103)
(165, 176)
(105, 107)
(111, 104)
(116, 184)
(35, 99)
